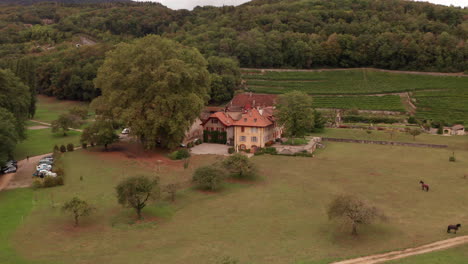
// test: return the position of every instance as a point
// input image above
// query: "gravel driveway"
(208, 148)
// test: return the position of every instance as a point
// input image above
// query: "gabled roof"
(252, 118)
(224, 118)
(458, 127)
(251, 100)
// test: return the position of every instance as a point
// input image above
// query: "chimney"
(260, 111)
(253, 103)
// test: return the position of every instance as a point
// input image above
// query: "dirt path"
(48, 124)
(380, 258)
(461, 74)
(23, 176)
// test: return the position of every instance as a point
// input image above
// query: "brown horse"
(454, 227)
(424, 187)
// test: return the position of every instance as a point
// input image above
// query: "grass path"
(380, 258)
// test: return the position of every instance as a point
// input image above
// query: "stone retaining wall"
(392, 143)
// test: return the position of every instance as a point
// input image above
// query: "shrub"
(240, 166)
(70, 147)
(208, 178)
(63, 149)
(92, 144)
(59, 180)
(84, 145)
(369, 119)
(49, 182)
(56, 149)
(247, 151)
(231, 150)
(452, 158)
(412, 120)
(179, 154)
(269, 143)
(36, 184)
(270, 150)
(183, 154)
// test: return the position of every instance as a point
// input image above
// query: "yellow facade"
(252, 137)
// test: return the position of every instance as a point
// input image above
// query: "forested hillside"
(58, 47)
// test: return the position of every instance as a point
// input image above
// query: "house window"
(254, 130)
(243, 139)
(214, 121)
(242, 129)
(254, 139)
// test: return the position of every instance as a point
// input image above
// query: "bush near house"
(180, 154)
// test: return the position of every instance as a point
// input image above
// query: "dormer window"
(245, 119)
(255, 120)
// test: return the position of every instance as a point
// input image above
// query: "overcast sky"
(190, 4)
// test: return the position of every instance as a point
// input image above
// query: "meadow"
(280, 218)
(42, 141)
(457, 255)
(49, 109)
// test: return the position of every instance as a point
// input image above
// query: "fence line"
(392, 143)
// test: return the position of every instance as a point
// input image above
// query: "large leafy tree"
(354, 211)
(240, 166)
(137, 191)
(15, 97)
(100, 132)
(156, 86)
(65, 122)
(296, 113)
(225, 78)
(8, 135)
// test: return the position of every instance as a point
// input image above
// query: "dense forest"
(56, 48)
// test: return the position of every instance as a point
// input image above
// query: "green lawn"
(42, 141)
(15, 205)
(48, 109)
(458, 255)
(279, 219)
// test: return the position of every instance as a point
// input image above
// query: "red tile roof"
(249, 118)
(252, 118)
(250, 100)
(225, 119)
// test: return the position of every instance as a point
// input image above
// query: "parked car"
(11, 163)
(125, 131)
(45, 161)
(44, 167)
(8, 169)
(44, 173)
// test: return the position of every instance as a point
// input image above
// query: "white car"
(125, 131)
(43, 167)
(47, 173)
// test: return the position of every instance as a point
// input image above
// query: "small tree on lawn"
(100, 132)
(171, 189)
(78, 208)
(65, 122)
(240, 166)
(296, 114)
(135, 192)
(415, 132)
(208, 178)
(354, 211)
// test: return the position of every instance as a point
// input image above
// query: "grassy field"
(458, 255)
(386, 103)
(42, 141)
(15, 206)
(349, 82)
(48, 109)
(281, 218)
